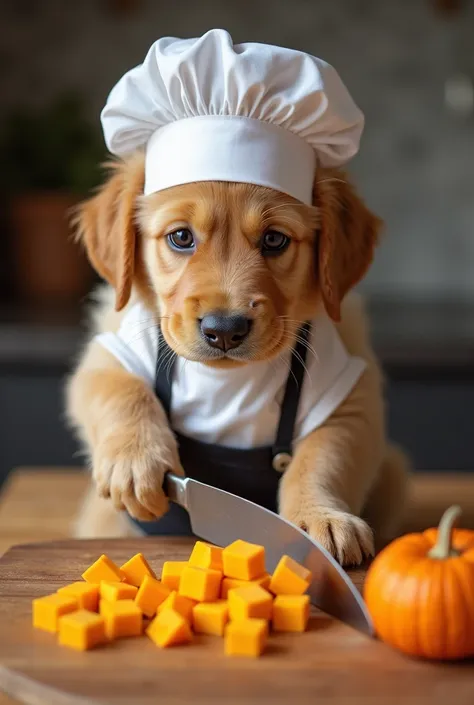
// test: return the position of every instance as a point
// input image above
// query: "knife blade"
(221, 518)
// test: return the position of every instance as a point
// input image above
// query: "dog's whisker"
(299, 321)
(287, 219)
(288, 318)
(162, 361)
(331, 178)
(139, 334)
(170, 365)
(146, 329)
(165, 359)
(151, 319)
(299, 337)
(287, 364)
(303, 364)
(272, 209)
(304, 343)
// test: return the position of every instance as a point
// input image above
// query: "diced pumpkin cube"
(231, 583)
(103, 569)
(200, 584)
(290, 578)
(82, 630)
(246, 637)
(169, 628)
(290, 613)
(117, 591)
(150, 595)
(47, 610)
(205, 555)
(250, 602)
(122, 618)
(171, 573)
(243, 560)
(179, 603)
(86, 594)
(135, 570)
(211, 617)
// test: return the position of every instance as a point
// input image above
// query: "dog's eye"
(181, 239)
(274, 242)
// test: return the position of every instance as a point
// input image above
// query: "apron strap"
(164, 373)
(283, 447)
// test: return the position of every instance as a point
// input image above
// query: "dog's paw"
(131, 470)
(347, 537)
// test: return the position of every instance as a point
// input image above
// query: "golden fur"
(343, 470)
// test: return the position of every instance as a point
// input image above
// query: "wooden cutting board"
(331, 663)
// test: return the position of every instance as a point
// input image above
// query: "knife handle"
(175, 489)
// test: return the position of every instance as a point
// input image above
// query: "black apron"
(253, 473)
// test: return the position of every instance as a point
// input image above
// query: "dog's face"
(232, 270)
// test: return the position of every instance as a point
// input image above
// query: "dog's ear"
(348, 235)
(107, 227)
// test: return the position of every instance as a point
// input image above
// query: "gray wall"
(416, 167)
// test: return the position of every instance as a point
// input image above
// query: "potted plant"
(50, 160)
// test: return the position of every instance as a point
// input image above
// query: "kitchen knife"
(221, 518)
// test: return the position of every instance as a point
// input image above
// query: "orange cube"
(290, 578)
(117, 591)
(179, 603)
(211, 617)
(290, 613)
(135, 570)
(82, 630)
(150, 595)
(250, 602)
(47, 610)
(246, 637)
(169, 628)
(86, 594)
(243, 560)
(200, 584)
(171, 573)
(103, 569)
(205, 555)
(122, 618)
(231, 583)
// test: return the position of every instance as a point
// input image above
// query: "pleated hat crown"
(207, 109)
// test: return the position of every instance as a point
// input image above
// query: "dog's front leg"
(129, 440)
(333, 469)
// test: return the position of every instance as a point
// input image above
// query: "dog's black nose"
(225, 332)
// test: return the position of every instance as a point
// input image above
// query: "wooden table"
(40, 505)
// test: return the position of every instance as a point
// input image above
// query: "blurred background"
(409, 64)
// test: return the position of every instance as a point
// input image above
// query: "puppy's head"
(232, 270)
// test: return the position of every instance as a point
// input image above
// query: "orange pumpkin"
(420, 592)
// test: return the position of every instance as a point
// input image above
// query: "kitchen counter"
(38, 505)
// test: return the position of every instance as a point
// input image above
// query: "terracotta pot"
(49, 266)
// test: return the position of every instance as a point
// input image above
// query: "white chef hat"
(208, 110)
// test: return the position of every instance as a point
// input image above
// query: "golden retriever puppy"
(345, 483)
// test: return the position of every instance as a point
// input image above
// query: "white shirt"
(240, 407)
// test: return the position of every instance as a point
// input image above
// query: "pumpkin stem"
(443, 547)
